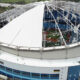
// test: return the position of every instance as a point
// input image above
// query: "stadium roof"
(43, 27)
(25, 30)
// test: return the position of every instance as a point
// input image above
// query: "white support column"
(63, 73)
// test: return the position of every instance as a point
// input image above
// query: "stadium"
(43, 43)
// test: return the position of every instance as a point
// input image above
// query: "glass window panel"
(8, 69)
(35, 75)
(53, 76)
(17, 79)
(45, 76)
(26, 74)
(25, 79)
(16, 72)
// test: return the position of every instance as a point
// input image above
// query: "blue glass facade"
(74, 73)
(21, 75)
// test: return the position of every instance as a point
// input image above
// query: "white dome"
(25, 30)
(43, 27)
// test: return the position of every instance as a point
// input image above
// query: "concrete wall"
(53, 54)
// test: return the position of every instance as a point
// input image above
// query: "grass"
(19, 1)
(2, 9)
(25, 1)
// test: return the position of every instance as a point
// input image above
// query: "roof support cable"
(66, 21)
(57, 25)
(73, 26)
(76, 30)
(43, 39)
(43, 33)
(68, 13)
(15, 36)
(66, 46)
(65, 18)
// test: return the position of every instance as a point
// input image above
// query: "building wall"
(16, 70)
(16, 74)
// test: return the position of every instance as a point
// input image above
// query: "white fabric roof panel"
(25, 30)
